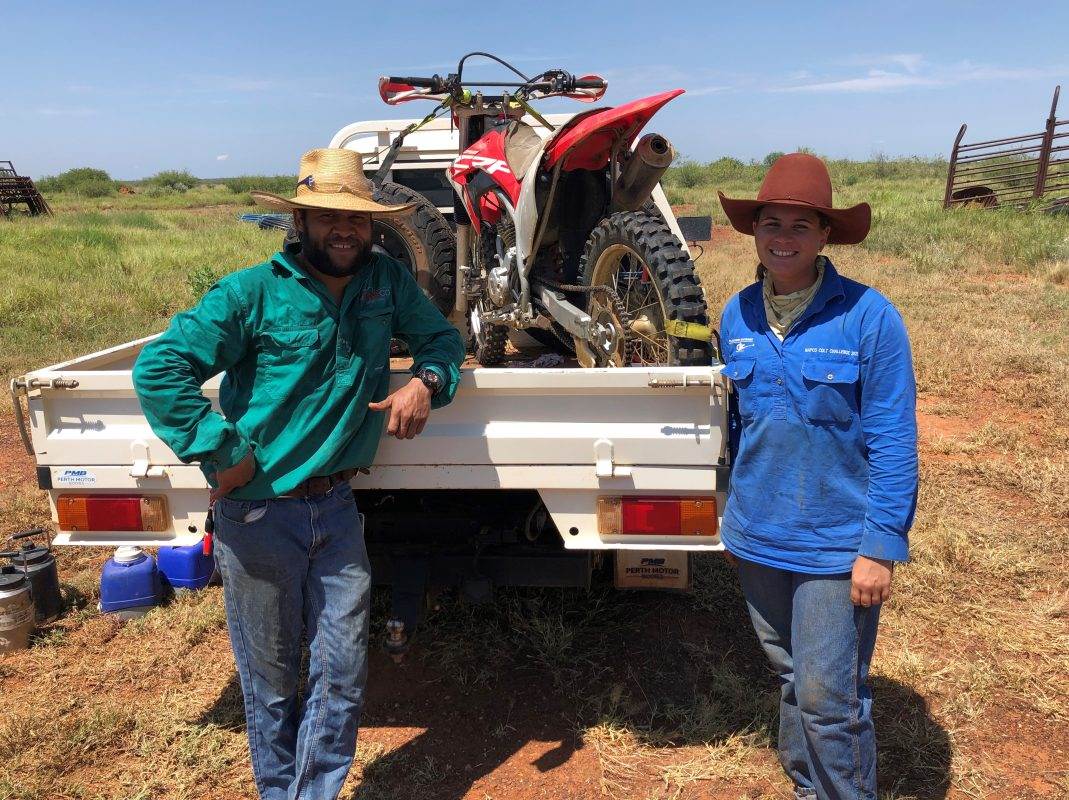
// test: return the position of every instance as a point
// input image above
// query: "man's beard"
(320, 258)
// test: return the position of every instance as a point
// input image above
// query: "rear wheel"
(636, 254)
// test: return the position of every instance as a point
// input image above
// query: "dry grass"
(667, 697)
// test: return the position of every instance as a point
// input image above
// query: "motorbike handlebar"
(556, 82)
(435, 83)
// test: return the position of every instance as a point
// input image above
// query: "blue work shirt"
(825, 431)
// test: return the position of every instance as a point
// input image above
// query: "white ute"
(527, 478)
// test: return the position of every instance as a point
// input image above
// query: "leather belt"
(322, 484)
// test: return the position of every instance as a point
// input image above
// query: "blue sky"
(238, 88)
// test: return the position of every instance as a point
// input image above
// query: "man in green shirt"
(304, 341)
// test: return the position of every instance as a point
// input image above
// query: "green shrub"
(687, 174)
(96, 189)
(277, 184)
(174, 179)
(84, 181)
(882, 167)
(200, 279)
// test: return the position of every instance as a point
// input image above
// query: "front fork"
(460, 304)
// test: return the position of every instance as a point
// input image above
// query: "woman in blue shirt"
(824, 478)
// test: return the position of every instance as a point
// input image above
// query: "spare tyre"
(421, 239)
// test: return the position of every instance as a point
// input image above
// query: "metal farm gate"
(17, 189)
(1017, 171)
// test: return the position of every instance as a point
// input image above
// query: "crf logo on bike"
(484, 163)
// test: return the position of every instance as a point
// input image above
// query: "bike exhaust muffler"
(643, 169)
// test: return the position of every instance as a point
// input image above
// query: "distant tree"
(772, 158)
(85, 181)
(686, 174)
(883, 167)
(173, 179)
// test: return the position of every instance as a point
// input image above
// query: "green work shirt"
(300, 370)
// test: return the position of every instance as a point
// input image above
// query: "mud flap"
(666, 570)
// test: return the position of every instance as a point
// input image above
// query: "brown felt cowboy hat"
(331, 178)
(799, 179)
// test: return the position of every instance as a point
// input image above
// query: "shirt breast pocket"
(742, 373)
(282, 352)
(374, 329)
(831, 391)
(287, 345)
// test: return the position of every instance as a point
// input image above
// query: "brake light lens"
(112, 512)
(663, 516)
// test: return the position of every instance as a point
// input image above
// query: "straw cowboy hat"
(331, 178)
(799, 179)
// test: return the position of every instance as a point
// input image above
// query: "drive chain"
(617, 304)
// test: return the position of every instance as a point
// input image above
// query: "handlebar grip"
(422, 83)
(590, 84)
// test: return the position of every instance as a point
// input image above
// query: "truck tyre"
(636, 254)
(421, 239)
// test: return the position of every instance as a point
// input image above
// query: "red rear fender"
(589, 143)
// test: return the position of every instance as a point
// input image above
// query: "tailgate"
(554, 430)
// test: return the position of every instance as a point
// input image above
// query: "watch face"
(430, 379)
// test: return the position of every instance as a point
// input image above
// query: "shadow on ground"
(529, 680)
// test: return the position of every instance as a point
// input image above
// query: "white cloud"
(65, 111)
(910, 62)
(222, 157)
(704, 90)
(875, 81)
(911, 70)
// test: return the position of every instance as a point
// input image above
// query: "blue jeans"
(296, 570)
(820, 646)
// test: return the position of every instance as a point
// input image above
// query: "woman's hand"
(870, 581)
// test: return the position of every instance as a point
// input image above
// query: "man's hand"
(870, 582)
(409, 408)
(235, 477)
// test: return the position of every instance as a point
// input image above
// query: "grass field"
(567, 694)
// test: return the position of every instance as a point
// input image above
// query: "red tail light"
(112, 512)
(664, 516)
(642, 515)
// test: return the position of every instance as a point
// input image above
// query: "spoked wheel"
(487, 341)
(635, 254)
(494, 253)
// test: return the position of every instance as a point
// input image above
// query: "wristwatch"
(431, 379)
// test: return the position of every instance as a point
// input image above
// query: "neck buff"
(783, 310)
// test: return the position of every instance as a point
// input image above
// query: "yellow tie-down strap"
(688, 330)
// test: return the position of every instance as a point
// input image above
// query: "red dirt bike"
(556, 232)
